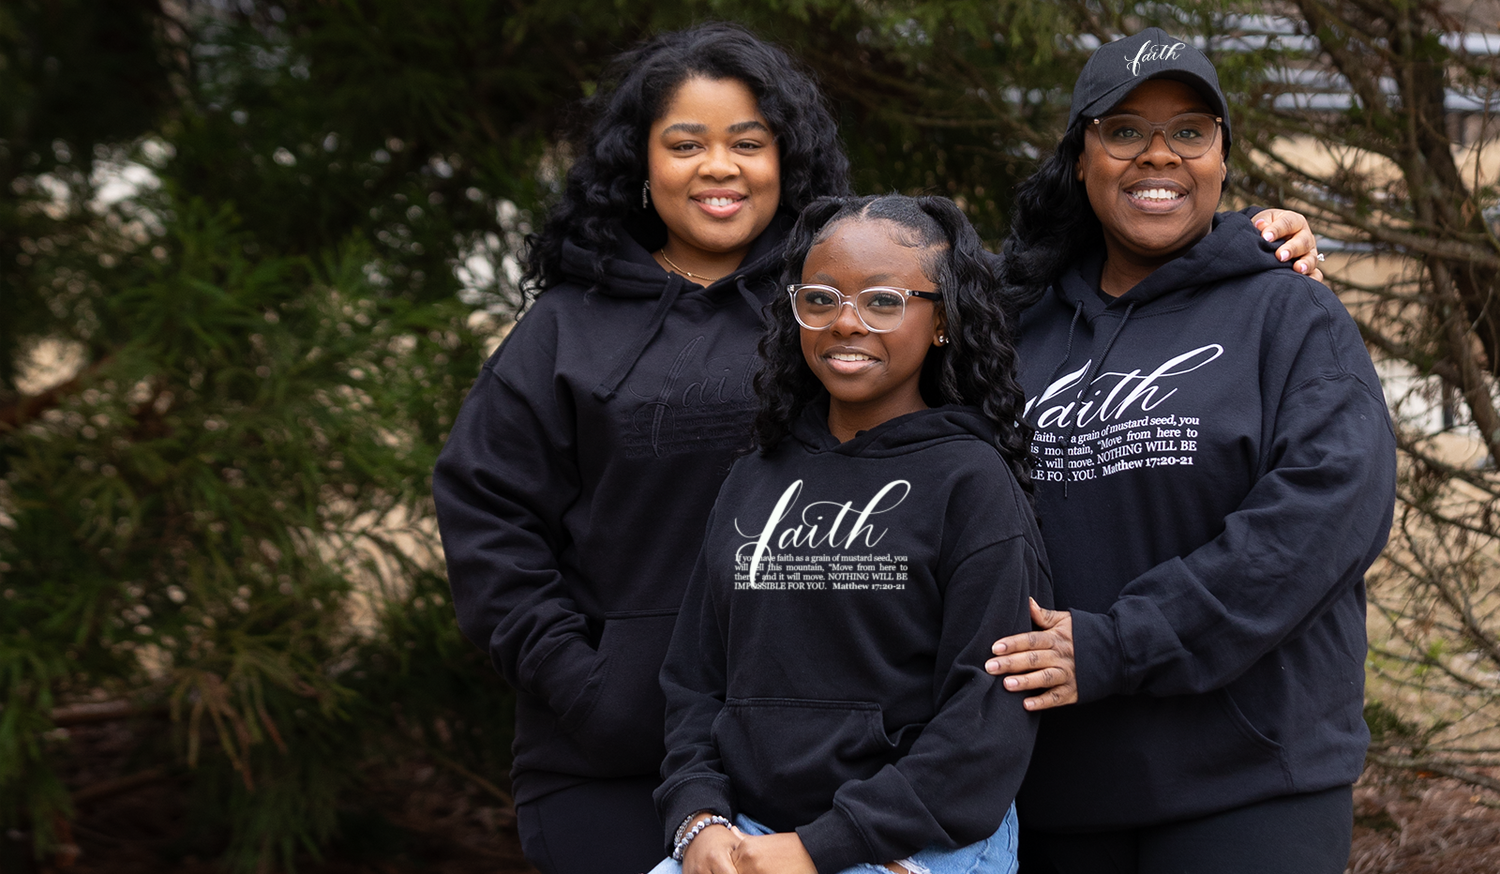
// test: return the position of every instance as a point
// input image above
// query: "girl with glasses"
(827, 705)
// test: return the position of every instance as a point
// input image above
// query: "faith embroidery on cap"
(1152, 52)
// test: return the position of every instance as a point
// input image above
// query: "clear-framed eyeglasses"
(879, 308)
(1126, 136)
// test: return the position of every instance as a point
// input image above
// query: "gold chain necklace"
(676, 269)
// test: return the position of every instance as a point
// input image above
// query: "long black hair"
(603, 192)
(977, 366)
(1052, 229)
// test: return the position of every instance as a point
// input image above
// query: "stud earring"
(942, 340)
(646, 194)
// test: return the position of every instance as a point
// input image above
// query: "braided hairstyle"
(603, 191)
(978, 365)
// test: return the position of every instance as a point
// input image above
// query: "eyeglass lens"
(881, 309)
(1190, 135)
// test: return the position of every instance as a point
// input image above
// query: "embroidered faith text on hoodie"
(1216, 470)
(827, 671)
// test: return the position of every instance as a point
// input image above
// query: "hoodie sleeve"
(501, 485)
(1317, 516)
(694, 680)
(956, 783)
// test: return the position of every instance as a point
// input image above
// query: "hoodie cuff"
(707, 792)
(1098, 661)
(834, 842)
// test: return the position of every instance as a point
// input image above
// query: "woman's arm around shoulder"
(1299, 245)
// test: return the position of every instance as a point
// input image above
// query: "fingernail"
(992, 666)
(1282, 254)
(1012, 682)
(1268, 236)
(1030, 704)
(1300, 268)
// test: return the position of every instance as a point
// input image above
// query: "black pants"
(600, 827)
(1295, 834)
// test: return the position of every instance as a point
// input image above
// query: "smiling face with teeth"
(715, 174)
(1156, 204)
(871, 378)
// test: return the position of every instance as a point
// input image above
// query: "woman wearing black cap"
(1216, 471)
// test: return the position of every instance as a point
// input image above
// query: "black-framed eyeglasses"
(879, 308)
(1190, 135)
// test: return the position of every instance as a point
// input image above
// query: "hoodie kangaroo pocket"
(1134, 760)
(619, 722)
(788, 756)
(1245, 727)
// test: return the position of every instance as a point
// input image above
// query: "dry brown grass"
(1409, 824)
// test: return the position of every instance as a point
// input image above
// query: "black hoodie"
(572, 491)
(1217, 471)
(827, 670)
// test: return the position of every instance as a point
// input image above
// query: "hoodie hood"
(631, 273)
(903, 434)
(1233, 249)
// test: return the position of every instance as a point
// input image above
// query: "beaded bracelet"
(687, 823)
(680, 849)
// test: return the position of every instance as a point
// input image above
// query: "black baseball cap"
(1116, 68)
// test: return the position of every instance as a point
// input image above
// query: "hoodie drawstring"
(1068, 348)
(1062, 362)
(606, 388)
(1088, 378)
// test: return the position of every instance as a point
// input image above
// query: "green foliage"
(188, 525)
(1386, 725)
(216, 507)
